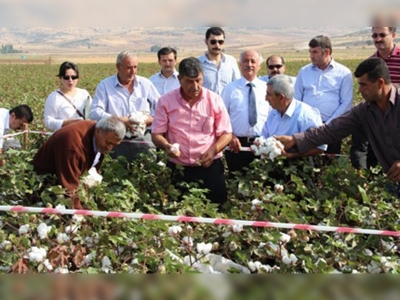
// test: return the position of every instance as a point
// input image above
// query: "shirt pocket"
(204, 124)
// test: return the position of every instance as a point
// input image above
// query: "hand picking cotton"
(139, 119)
(270, 147)
(93, 178)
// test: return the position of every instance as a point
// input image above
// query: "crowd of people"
(213, 107)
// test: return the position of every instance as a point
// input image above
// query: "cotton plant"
(139, 119)
(269, 147)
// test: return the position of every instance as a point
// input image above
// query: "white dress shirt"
(236, 99)
(4, 124)
(163, 84)
(112, 98)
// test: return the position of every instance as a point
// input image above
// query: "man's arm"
(2, 160)
(394, 172)
(99, 104)
(312, 152)
(346, 97)
(161, 142)
(69, 168)
(208, 157)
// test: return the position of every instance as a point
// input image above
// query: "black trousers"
(361, 154)
(212, 178)
(240, 161)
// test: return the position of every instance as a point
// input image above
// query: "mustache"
(216, 48)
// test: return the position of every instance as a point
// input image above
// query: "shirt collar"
(174, 74)
(393, 95)
(332, 64)
(6, 122)
(396, 51)
(291, 108)
(118, 83)
(256, 81)
(205, 58)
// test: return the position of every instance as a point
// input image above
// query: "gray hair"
(260, 58)
(122, 55)
(112, 124)
(281, 84)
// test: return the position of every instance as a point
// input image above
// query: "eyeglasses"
(381, 35)
(271, 67)
(65, 77)
(213, 42)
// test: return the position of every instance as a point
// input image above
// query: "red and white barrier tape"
(153, 217)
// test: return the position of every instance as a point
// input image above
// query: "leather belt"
(247, 140)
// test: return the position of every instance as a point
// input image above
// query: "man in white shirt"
(237, 99)
(124, 95)
(325, 84)
(275, 65)
(167, 79)
(13, 119)
(219, 69)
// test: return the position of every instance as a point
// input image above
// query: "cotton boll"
(285, 238)
(175, 147)
(237, 228)
(23, 229)
(43, 230)
(93, 178)
(62, 238)
(174, 230)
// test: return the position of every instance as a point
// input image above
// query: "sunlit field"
(322, 191)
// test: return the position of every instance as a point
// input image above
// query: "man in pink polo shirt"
(192, 125)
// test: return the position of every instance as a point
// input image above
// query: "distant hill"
(140, 39)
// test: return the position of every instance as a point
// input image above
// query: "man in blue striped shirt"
(219, 69)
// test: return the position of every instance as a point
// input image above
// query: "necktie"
(252, 105)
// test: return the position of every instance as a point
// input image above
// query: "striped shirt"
(393, 63)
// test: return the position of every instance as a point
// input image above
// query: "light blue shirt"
(236, 99)
(163, 84)
(216, 78)
(297, 118)
(291, 78)
(112, 98)
(329, 90)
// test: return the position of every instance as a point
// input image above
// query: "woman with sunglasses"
(68, 104)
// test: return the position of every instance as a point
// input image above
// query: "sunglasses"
(381, 35)
(213, 42)
(271, 67)
(65, 77)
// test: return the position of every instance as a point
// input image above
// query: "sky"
(236, 13)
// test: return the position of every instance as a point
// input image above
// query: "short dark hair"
(166, 51)
(269, 57)
(321, 41)
(375, 67)
(66, 65)
(190, 67)
(23, 111)
(214, 31)
(391, 29)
